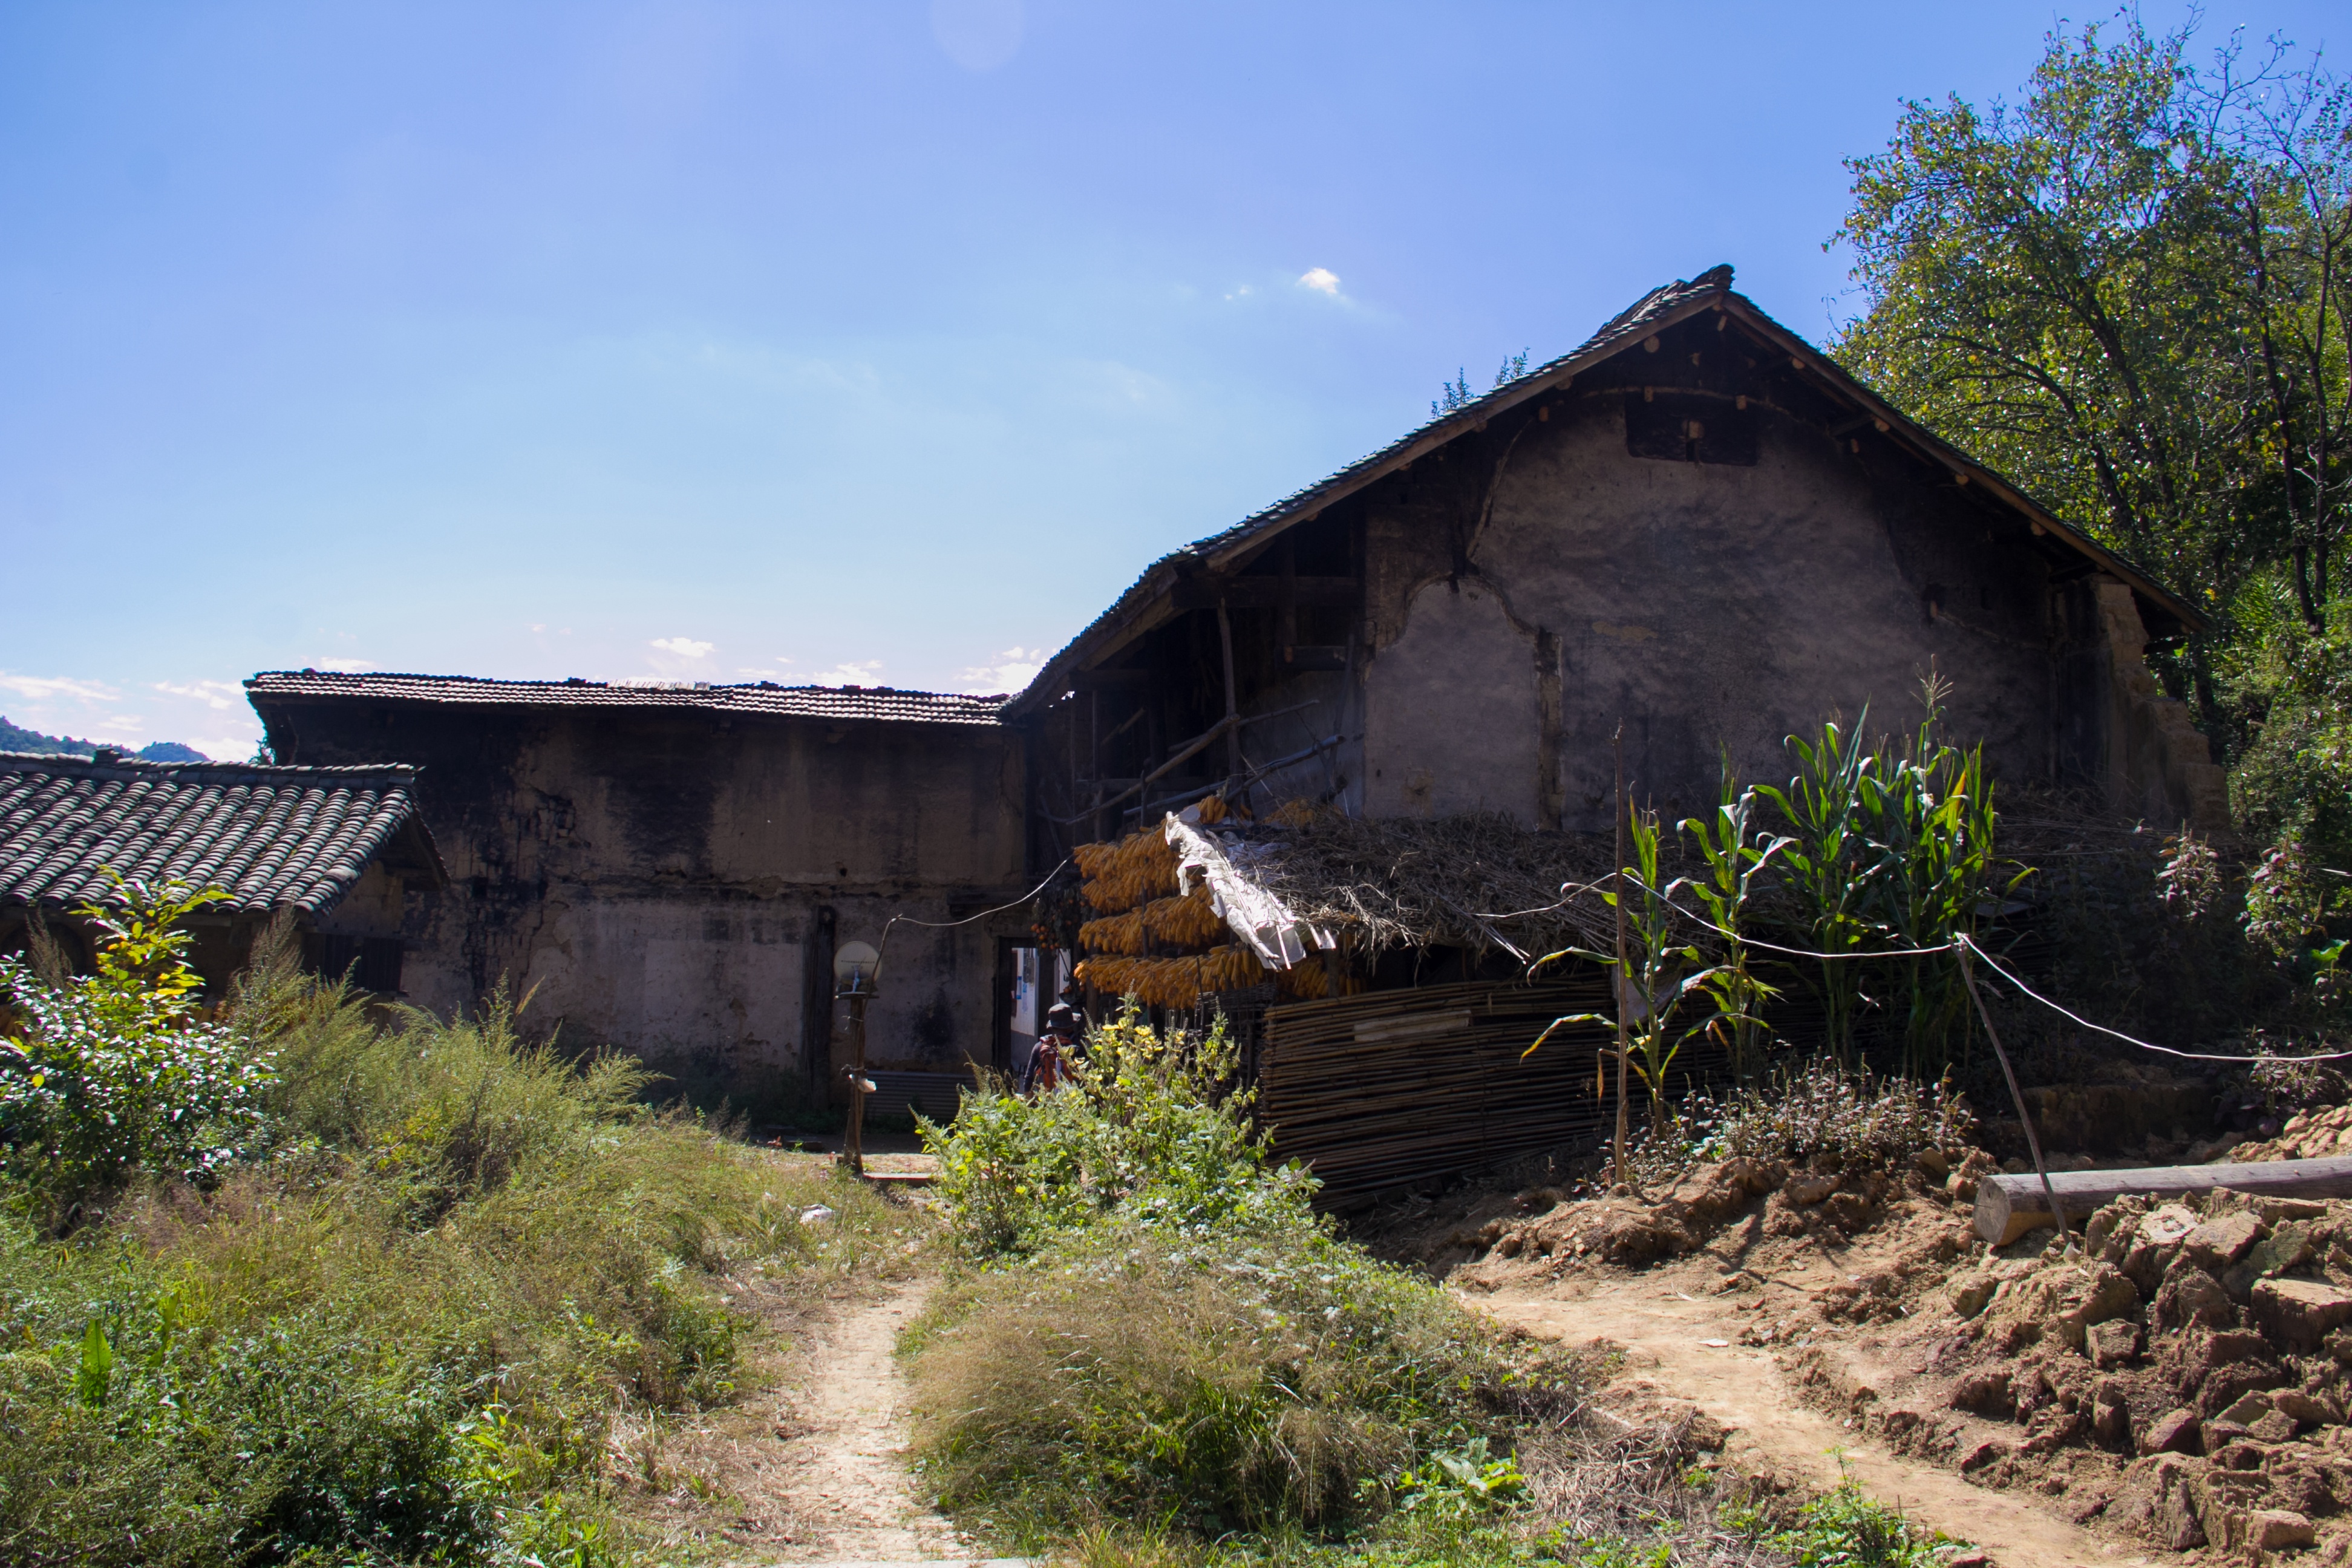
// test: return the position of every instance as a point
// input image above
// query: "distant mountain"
(14, 739)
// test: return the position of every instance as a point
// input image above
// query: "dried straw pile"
(1474, 880)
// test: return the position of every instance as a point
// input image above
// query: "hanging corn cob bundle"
(1187, 922)
(1113, 933)
(1132, 884)
(1173, 981)
(1133, 871)
(1311, 982)
(1190, 921)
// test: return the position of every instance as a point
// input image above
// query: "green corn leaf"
(97, 1371)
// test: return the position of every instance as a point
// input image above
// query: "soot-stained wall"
(674, 883)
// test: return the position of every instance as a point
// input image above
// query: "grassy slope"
(408, 1336)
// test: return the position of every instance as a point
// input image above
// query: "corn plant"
(1929, 820)
(1830, 861)
(1736, 850)
(1660, 974)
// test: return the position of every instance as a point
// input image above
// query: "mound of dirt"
(2178, 1379)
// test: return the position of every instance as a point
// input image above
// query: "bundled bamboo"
(1172, 982)
(1392, 1089)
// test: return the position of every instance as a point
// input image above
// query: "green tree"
(103, 1074)
(2128, 292)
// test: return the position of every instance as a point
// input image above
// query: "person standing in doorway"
(1049, 1063)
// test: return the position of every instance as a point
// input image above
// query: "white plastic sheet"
(1262, 921)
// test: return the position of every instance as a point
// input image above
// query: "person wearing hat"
(1049, 1062)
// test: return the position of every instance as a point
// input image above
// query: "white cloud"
(52, 687)
(221, 695)
(1014, 668)
(95, 711)
(349, 666)
(848, 672)
(977, 35)
(1322, 280)
(683, 648)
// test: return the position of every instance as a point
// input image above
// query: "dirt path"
(845, 1469)
(1666, 1334)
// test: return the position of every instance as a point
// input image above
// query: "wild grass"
(408, 1334)
(1155, 1329)
(1258, 1384)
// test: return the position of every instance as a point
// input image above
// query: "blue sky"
(879, 341)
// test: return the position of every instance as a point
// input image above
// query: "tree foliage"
(2129, 292)
(106, 1073)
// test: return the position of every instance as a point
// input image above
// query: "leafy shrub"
(1842, 1118)
(405, 1336)
(104, 1074)
(1142, 1129)
(1165, 1330)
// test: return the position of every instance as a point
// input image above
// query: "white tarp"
(1262, 921)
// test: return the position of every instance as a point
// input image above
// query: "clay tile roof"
(882, 703)
(271, 837)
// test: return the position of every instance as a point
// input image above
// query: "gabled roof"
(1654, 312)
(882, 703)
(271, 837)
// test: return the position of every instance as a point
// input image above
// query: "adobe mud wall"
(674, 883)
(1522, 606)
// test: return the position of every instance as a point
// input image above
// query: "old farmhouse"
(1399, 691)
(1695, 526)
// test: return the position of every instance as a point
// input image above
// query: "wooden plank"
(1266, 593)
(2008, 1206)
(1109, 679)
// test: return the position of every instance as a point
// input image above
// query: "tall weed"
(405, 1334)
(1161, 1329)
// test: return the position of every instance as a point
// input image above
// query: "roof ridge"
(577, 683)
(291, 772)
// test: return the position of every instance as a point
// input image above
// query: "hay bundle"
(1449, 880)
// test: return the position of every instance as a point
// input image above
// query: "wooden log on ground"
(2008, 1206)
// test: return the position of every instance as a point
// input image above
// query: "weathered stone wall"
(658, 879)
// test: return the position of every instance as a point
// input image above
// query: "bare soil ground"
(1681, 1346)
(844, 1472)
(810, 1465)
(2173, 1391)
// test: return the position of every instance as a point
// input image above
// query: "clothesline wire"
(1960, 942)
(883, 946)
(2143, 1045)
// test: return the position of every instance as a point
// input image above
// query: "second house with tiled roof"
(669, 869)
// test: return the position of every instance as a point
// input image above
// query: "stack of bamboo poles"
(1392, 1089)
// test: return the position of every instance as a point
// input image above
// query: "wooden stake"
(1618, 1172)
(2017, 1097)
(1233, 729)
